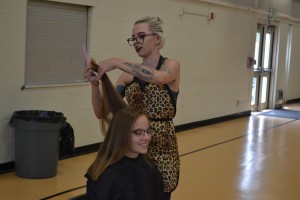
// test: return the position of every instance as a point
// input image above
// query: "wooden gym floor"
(251, 158)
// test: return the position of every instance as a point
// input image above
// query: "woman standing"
(152, 85)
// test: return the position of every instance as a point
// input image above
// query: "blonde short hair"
(155, 24)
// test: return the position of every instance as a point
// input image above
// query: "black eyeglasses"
(139, 39)
(142, 132)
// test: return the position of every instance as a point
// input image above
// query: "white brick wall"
(212, 56)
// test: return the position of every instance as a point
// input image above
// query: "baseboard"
(7, 167)
(293, 101)
(10, 166)
(212, 121)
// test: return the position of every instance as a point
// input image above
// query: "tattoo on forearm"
(142, 73)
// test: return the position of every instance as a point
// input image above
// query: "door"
(262, 70)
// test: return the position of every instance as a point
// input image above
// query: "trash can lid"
(38, 115)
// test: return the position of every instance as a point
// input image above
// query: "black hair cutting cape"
(127, 179)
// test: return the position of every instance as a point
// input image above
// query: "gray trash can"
(37, 135)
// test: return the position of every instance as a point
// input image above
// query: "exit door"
(262, 70)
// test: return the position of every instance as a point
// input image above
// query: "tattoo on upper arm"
(166, 69)
(140, 72)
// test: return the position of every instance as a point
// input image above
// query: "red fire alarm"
(212, 16)
(251, 62)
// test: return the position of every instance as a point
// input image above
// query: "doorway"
(262, 69)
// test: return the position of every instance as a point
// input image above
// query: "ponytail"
(112, 100)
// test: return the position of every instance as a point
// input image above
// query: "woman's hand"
(106, 66)
(91, 76)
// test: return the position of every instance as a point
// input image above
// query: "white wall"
(213, 56)
(283, 62)
(294, 80)
(296, 8)
(282, 6)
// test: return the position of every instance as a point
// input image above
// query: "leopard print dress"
(159, 102)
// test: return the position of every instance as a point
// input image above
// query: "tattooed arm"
(168, 74)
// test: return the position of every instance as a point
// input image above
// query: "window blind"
(54, 35)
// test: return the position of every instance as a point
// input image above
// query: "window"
(55, 33)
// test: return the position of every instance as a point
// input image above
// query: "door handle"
(257, 69)
(267, 70)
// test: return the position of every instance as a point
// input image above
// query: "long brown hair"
(116, 142)
(112, 100)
